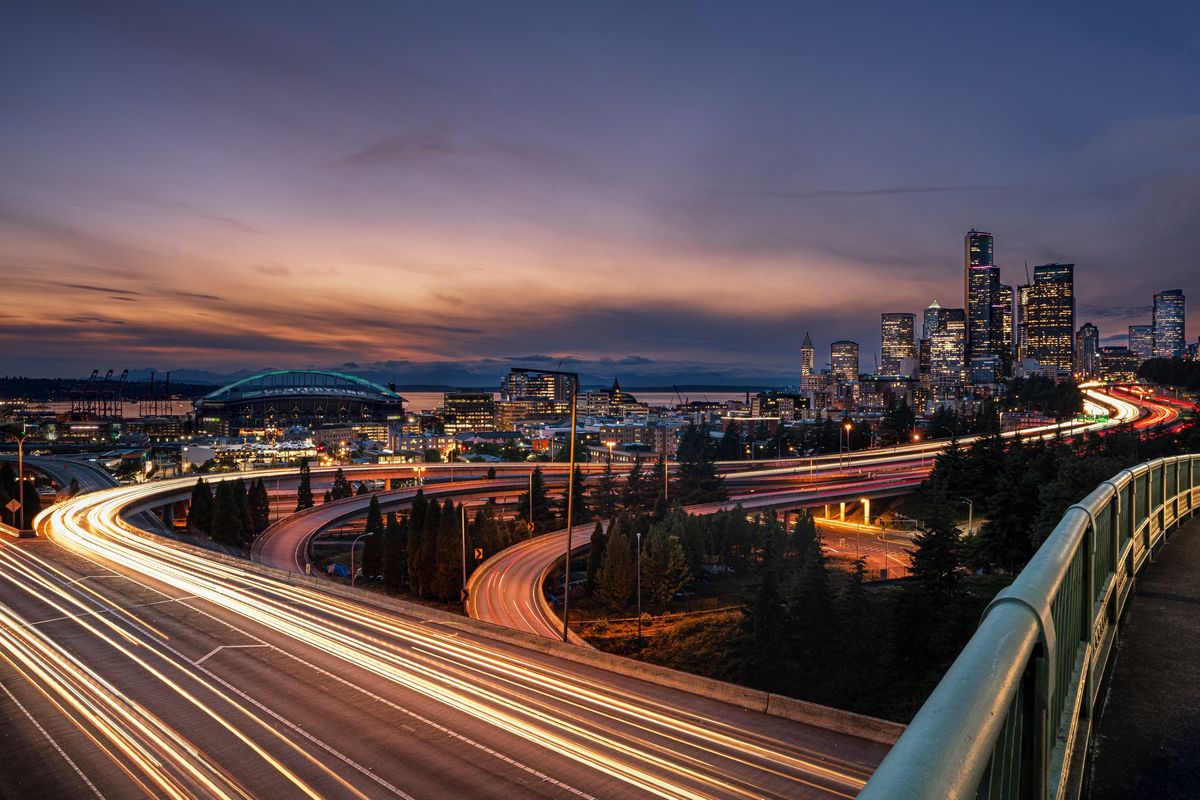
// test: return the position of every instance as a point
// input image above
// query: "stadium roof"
(302, 383)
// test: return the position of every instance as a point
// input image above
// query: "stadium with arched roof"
(283, 398)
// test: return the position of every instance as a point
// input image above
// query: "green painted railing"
(1012, 717)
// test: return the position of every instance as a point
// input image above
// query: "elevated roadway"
(136, 666)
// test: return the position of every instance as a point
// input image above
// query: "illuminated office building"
(1050, 326)
(948, 348)
(1169, 334)
(1141, 342)
(806, 357)
(1087, 351)
(896, 342)
(931, 320)
(468, 411)
(844, 360)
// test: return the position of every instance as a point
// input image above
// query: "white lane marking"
(408, 712)
(109, 610)
(50, 739)
(89, 577)
(216, 650)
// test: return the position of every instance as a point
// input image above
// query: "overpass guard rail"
(1012, 716)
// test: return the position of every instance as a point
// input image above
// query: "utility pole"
(463, 592)
(639, 590)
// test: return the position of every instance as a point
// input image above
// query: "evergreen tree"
(242, 498)
(304, 495)
(395, 555)
(938, 555)
(664, 567)
(580, 512)
(341, 487)
(698, 480)
(857, 658)
(200, 511)
(595, 555)
(634, 495)
(260, 507)
(731, 447)
(227, 519)
(414, 544)
(898, 422)
(426, 565)
(655, 483)
(763, 644)
(373, 545)
(448, 568)
(811, 610)
(604, 494)
(617, 578)
(543, 514)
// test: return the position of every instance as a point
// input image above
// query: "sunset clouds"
(216, 187)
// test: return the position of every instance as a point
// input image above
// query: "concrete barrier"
(833, 719)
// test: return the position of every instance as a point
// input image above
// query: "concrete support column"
(842, 512)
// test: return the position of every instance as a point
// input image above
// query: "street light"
(639, 591)
(970, 513)
(847, 428)
(353, 545)
(610, 445)
(20, 471)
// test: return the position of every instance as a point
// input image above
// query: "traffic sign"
(13, 505)
(478, 553)
(462, 595)
(529, 527)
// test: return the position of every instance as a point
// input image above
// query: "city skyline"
(411, 191)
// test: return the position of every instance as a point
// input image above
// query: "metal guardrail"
(1012, 717)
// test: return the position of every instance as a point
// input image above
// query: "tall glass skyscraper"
(1050, 327)
(1169, 335)
(1087, 351)
(896, 342)
(843, 360)
(1141, 342)
(981, 282)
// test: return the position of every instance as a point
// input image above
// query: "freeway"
(285, 544)
(63, 470)
(133, 666)
(506, 589)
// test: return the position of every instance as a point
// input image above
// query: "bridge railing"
(1012, 717)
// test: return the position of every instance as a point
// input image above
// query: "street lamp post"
(353, 545)
(639, 591)
(970, 514)
(570, 512)
(847, 428)
(463, 591)
(20, 498)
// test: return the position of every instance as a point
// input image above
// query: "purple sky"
(674, 190)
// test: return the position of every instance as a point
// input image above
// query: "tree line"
(233, 514)
(1175, 372)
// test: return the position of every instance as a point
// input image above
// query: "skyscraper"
(948, 348)
(1169, 334)
(1141, 342)
(981, 280)
(806, 357)
(1002, 321)
(1087, 351)
(843, 359)
(1050, 327)
(1020, 334)
(896, 342)
(931, 320)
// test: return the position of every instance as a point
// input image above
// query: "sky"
(663, 191)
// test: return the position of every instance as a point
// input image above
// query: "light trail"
(665, 752)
